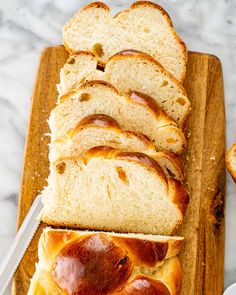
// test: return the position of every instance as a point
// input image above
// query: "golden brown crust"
(229, 165)
(174, 247)
(132, 96)
(87, 84)
(146, 100)
(52, 242)
(142, 137)
(96, 4)
(83, 52)
(139, 4)
(176, 160)
(178, 194)
(97, 263)
(144, 285)
(146, 141)
(110, 153)
(120, 12)
(98, 120)
(54, 239)
(92, 83)
(144, 159)
(144, 252)
(172, 275)
(66, 96)
(130, 53)
(135, 98)
(99, 266)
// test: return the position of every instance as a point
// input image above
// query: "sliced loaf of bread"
(230, 160)
(134, 111)
(107, 189)
(100, 129)
(146, 27)
(106, 263)
(129, 70)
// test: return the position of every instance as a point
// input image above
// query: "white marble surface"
(27, 26)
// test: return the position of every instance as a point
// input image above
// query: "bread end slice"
(149, 262)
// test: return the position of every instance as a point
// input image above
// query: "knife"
(20, 244)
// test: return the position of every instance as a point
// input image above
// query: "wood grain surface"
(202, 257)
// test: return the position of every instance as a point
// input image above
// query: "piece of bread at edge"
(100, 129)
(146, 27)
(230, 160)
(107, 189)
(129, 70)
(134, 111)
(106, 263)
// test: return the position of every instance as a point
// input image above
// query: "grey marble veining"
(27, 26)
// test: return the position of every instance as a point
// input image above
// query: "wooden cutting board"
(202, 257)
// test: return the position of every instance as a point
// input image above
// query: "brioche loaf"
(135, 112)
(107, 189)
(230, 160)
(99, 263)
(146, 27)
(129, 70)
(99, 129)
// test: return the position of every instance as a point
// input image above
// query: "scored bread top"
(106, 263)
(92, 27)
(125, 70)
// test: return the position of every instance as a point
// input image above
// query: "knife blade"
(20, 244)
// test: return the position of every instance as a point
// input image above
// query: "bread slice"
(107, 189)
(230, 160)
(129, 70)
(99, 129)
(146, 27)
(134, 111)
(106, 263)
